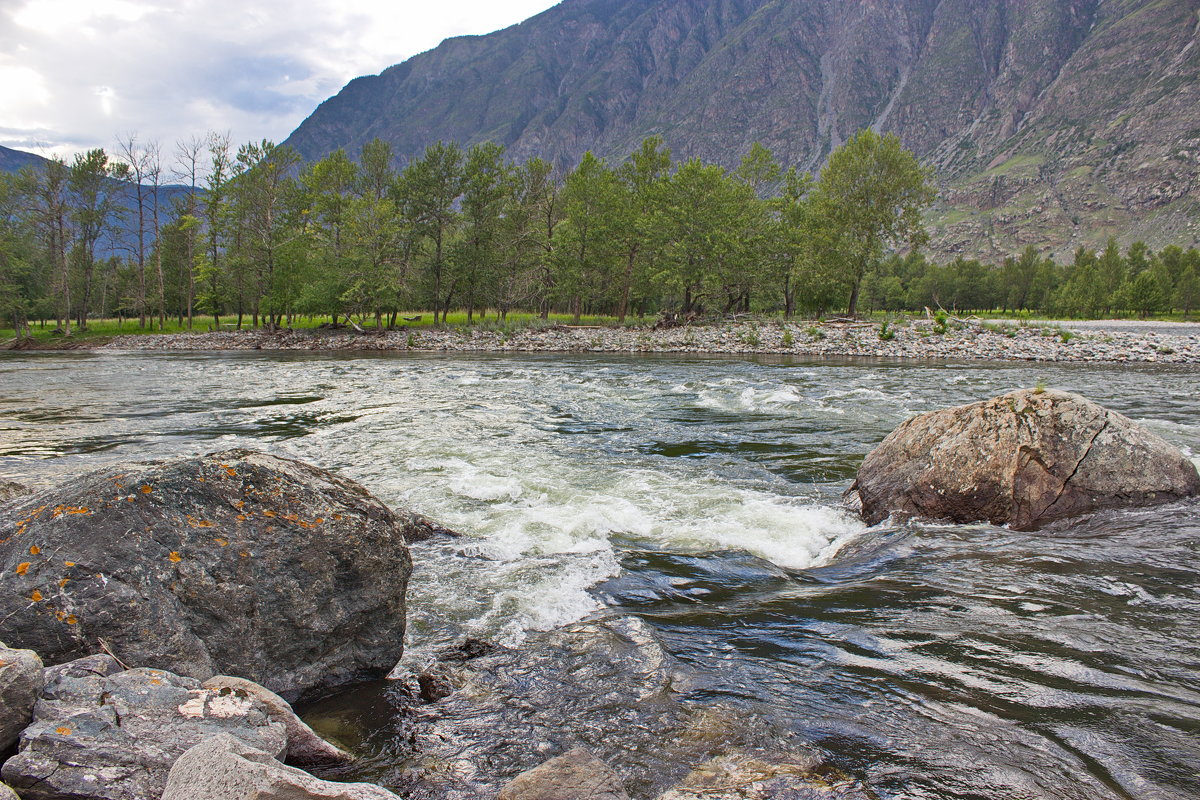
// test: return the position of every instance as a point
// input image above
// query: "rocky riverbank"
(917, 340)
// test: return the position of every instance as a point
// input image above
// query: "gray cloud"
(76, 74)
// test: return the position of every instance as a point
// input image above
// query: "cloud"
(76, 74)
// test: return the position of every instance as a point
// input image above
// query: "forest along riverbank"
(919, 340)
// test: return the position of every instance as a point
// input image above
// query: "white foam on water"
(788, 533)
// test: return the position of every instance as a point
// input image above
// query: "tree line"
(254, 233)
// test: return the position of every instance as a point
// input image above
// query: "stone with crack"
(1025, 459)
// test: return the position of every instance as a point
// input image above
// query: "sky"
(79, 74)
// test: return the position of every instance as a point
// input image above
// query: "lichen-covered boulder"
(20, 683)
(115, 737)
(1023, 459)
(224, 768)
(236, 563)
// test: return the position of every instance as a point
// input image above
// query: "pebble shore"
(917, 340)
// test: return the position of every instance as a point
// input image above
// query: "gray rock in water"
(605, 684)
(115, 737)
(745, 777)
(305, 747)
(20, 683)
(234, 563)
(224, 768)
(1024, 459)
(575, 775)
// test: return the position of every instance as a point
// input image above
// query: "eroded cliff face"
(1050, 122)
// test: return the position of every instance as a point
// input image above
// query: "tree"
(588, 249)
(486, 182)
(93, 211)
(643, 178)
(261, 191)
(433, 183)
(869, 197)
(187, 169)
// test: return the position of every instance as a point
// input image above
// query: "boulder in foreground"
(225, 768)
(20, 683)
(1023, 459)
(115, 736)
(232, 563)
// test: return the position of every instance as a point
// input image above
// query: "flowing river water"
(703, 496)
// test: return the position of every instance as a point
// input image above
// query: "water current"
(702, 495)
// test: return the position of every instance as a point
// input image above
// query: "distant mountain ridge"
(1050, 122)
(14, 160)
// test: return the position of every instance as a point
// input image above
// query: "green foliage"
(941, 322)
(886, 333)
(788, 339)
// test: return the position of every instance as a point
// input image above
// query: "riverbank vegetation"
(251, 237)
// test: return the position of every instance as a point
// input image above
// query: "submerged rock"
(20, 683)
(225, 768)
(575, 775)
(1024, 459)
(115, 737)
(236, 562)
(10, 492)
(605, 684)
(744, 777)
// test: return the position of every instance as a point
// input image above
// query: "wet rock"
(605, 684)
(1024, 459)
(304, 746)
(20, 683)
(233, 563)
(225, 768)
(10, 491)
(575, 775)
(115, 737)
(101, 665)
(745, 777)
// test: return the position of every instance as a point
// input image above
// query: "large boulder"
(236, 562)
(20, 683)
(116, 736)
(1023, 459)
(225, 768)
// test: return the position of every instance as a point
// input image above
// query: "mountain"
(14, 160)
(1049, 122)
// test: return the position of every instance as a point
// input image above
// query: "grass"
(108, 328)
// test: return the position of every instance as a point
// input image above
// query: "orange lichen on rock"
(222, 542)
(193, 522)
(36, 596)
(63, 582)
(175, 557)
(63, 731)
(146, 489)
(23, 567)
(268, 513)
(34, 550)
(68, 563)
(72, 619)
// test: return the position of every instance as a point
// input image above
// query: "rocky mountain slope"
(1050, 122)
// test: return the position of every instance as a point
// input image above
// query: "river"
(702, 495)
